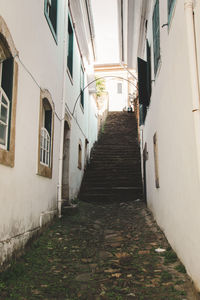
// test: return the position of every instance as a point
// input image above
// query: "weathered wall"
(176, 203)
(28, 201)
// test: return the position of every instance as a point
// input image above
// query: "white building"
(119, 83)
(165, 35)
(45, 136)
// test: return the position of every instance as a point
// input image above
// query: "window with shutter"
(156, 36)
(148, 70)
(8, 95)
(46, 133)
(6, 88)
(50, 11)
(171, 4)
(142, 82)
(70, 47)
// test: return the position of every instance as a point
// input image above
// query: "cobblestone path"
(99, 252)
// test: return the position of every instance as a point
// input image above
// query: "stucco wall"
(176, 203)
(28, 201)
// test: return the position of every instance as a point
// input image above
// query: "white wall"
(24, 195)
(27, 199)
(83, 121)
(176, 203)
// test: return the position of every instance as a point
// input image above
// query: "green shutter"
(7, 86)
(53, 15)
(156, 36)
(142, 113)
(70, 47)
(142, 82)
(82, 87)
(48, 120)
(171, 4)
(7, 77)
(148, 70)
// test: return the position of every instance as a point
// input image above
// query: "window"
(46, 128)
(156, 36)
(171, 4)
(80, 155)
(82, 87)
(119, 88)
(70, 47)
(8, 95)
(50, 11)
(45, 135)
(155, 147)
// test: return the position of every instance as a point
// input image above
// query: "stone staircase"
(114, 172)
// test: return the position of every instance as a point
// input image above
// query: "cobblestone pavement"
(99, 252)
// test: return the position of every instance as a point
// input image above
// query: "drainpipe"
(60, 165)
(194, 76)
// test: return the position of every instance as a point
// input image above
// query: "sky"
(106, 30)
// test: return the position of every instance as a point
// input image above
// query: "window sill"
(44, 171)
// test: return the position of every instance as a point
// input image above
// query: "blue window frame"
(171, 4)
(50, 11)
(156, 36)
(70, 47)
(82, 87)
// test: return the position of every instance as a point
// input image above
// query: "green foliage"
(180, 268)
(100, 86)
(165, 276)
(170, 257)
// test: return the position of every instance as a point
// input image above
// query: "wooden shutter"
(53, 15)
(148, 70)
(155, 148)
(48, 120)
(170, 9)
(142, 113)
(142, 82)
(7, 77)
(70, 47)
(156, 36)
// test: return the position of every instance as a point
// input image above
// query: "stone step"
(114, 171)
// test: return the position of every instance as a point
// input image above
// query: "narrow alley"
(99, 252)
(99, 150)
(107, 247)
